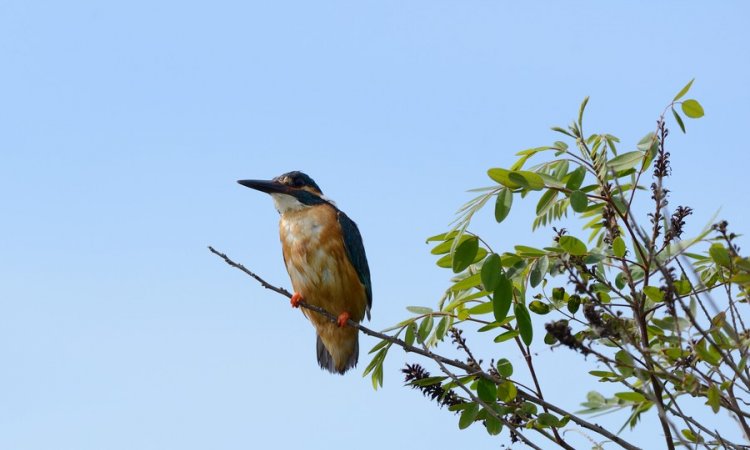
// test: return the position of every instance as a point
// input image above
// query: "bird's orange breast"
(320, 270)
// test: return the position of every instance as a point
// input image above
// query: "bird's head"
(290, 191)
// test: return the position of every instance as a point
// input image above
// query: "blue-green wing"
(356, 252)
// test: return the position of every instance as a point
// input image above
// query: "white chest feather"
(307, 260)
(286, 203)
(304, 230)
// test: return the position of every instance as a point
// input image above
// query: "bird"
(326, 261)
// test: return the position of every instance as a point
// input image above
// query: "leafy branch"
(630, 294)
(387, 340)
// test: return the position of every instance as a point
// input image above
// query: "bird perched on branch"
(326, 261)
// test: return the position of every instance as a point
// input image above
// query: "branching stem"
(433, 356)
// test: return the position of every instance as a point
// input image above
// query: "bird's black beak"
(267, 186)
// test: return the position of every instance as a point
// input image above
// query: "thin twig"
(527, 357)
(260, 280)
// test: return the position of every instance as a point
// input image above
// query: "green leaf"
(410, 334)
(445, 262)
(625, 363)
(713, 398)
(481, 253)
(578, 201)
(503, 204)
(690, 436)
(634, 397)
(526, 179)
(538, 271)
(618, 247)
(441, 328)
(525, 250)
(529, 408)
(683, 287)
(572, 245)
(504, 367)
(719, 320)
(574, 302)
(551, 181)
(539, 307)
(424, 328)
(490, 326)
(648, 143)
(502, 297)
(720, 255)
(603, 373)
(692, 109)
(506, 391)
(683, 91)
(560, 130)
(377, 360)
(595, 398)
(468, 416)
(465, 254)
(466, 283)
(600, 287)
(378, 346)
(506, 336)
(486, 390)
(620, 280)
(493, 426)
(445, 246)
(490, 273)
(521, 161)
(547, 420)
(580, 111)
(546, 201)
(707, 353)
(524, 323)
(576, 178)
(678, 119)
(458, 406)
(442, 236)
(533, 151)
(515, 269)
(654, 293)
(620, 204)
(502, 176)
(625, 161)
(377, 377)
(482, 308)
(419, 309)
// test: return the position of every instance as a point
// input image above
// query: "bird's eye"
(297, 182)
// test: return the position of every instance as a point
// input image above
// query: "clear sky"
(124, 125)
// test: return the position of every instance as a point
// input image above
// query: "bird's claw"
(296, 298)
(343, 319)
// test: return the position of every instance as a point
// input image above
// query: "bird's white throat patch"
(285, 203)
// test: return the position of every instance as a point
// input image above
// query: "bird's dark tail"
(326, 360)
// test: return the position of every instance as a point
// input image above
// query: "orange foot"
(343, 318)
(296, 298)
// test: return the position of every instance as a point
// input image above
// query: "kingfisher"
(326, 262)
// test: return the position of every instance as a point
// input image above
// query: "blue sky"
(124, 125)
